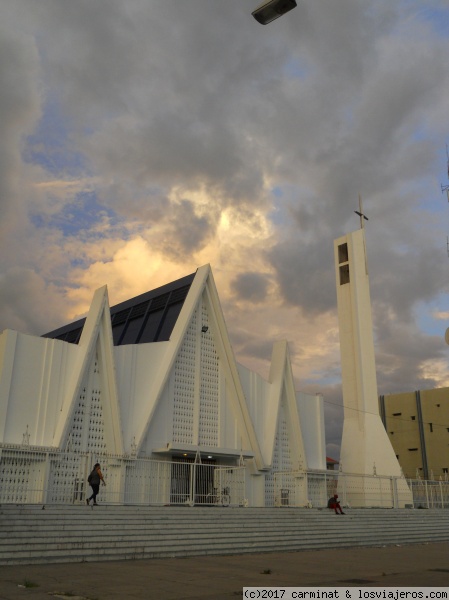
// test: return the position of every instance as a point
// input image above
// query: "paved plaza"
(223, 577)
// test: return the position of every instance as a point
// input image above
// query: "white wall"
(35, 379)
(311, 415)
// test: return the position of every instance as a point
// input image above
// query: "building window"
(413, 449)
(397, 456)
(397, 414)
(413, 418)
(431, 427)
(445, 470)
(391, 432)
(344, 274)
(343, 256)
(438, 405)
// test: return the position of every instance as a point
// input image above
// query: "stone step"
(19, 529)
(18, 538)
(97, 552)
(39, 518)
(68, 532)
(200, 513)
(178, 543)
(29, 535)
(182, 538)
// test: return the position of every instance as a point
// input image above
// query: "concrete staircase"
(33, 535)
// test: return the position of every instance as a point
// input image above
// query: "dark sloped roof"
(149, 317)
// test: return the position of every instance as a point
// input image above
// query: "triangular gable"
(229, 365)
(282, 456)
(93, 373)
(203, 292)
(170, 353)
(283, 407)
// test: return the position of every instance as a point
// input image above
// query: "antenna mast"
(445, 188)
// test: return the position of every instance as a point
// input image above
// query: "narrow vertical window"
(343, 256)
(344, 274)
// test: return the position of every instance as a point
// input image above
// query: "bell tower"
(365, 447)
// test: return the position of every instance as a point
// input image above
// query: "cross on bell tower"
(360, 213)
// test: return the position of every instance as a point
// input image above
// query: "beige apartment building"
(417, 424)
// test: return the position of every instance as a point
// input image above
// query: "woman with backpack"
(94, 479)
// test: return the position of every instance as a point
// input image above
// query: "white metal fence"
(34, 476)
(314, 488)
(30, 476)
(429, 494)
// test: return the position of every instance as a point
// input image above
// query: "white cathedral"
(151, 390)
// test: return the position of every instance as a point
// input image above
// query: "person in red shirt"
(335, 504)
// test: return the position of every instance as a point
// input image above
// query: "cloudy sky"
(142, 139)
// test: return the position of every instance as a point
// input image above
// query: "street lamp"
(273, 9)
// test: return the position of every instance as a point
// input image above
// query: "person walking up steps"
(94, 481)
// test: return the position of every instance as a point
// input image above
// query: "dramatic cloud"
(141, 140)
(251, 286)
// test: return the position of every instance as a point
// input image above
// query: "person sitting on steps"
(335, 504)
